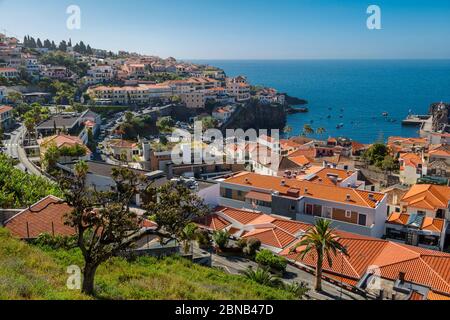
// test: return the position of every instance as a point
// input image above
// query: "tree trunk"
(88, 278)
(319, 274)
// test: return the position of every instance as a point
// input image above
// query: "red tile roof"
(273, 237)
(46, 216)
(427, 196)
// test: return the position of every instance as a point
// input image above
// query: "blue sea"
(352, 92)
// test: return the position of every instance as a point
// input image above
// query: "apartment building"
(350, 209)
(239, 90)
(9, 73)
(411, 168)
(6, 117)
(422, 218)
(99, 74)
(194, 100)
(139, 94)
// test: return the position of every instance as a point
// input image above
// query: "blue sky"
(242, 29)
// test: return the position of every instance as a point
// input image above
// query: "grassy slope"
(28, 272)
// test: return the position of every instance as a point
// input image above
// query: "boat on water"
(385, 114)
(340, 125)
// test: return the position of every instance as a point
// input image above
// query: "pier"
(415, 120)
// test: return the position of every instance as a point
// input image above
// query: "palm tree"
(188, 234)
(287, 130)
(307, 130)
(320, 131)
(322, 240)
(262, 276)
(30, 124)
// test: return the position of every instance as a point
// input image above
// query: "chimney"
(372, 196)
(247, 180)
(283, 183)
(401, 277)
(348, 198)
(306, 190)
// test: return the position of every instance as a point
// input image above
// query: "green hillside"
(29, 272)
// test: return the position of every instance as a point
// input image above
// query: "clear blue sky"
(242, 29)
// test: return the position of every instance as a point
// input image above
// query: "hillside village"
(389, 201)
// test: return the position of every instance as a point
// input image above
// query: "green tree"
(187, 235)
(104, 223)
(320, 131)
(389, 164)
(51, 157)
(221, 238)
(376, 154)
(321, 242)
(172, 207)
(287, 130)
(307, 130)
(165, 124)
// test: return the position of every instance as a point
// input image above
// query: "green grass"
(29, 272)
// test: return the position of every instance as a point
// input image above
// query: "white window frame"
(348, 214)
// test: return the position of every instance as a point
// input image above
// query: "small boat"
(328, 117)
(385, 114)
(341, 116)
(340, 125)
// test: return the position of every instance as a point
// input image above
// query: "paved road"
(236, 265)
(14, 150)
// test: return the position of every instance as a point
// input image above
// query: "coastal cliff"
(254, 115)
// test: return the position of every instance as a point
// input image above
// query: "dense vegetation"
(61, 59)
(40, 273)
(18, 189)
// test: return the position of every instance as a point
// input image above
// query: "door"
(328, 213)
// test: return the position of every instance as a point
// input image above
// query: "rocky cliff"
(257, 116)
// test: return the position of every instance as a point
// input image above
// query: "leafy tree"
(389, 163)
(376, 154)
(307, 130)
(322, 242)
(209, 123)
(165, 124)
(51, 157)
(19, 189)
(172, 207)
(187, 235)
(14, 97)
(287, 130)
(104, 222)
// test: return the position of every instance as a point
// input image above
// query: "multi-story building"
(56, 72)
(9, 73)
(99, 74)
(194, 100)
(350, 209)
(423, 217)
(411, 168)
(6, 117)
(238, 88)
(3, 94)
(140, 94)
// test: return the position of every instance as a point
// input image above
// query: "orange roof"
(421, 266)
(118, 143)
(287, 144)
(331, 176)
(4, 109)
(300, 160)
(314, 190)
(254, 195)
(273, 237)
(63, 140)
(440, 151)
(427, 196)
(241, 216)
(213, 222)
(411, 159)
(309, 152)
(46, 216)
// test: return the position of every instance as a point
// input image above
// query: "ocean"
(354, 93)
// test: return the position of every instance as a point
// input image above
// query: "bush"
(242, 243)
(298, 289)
(221, 238)
(203, 238)
(252, 245)
(266, 258)
(262, 276)
(46, 240)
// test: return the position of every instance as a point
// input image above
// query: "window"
(317, 210)
(308, 209)
(348, 214)
(293, 207)
(228, 193)
(362, 219)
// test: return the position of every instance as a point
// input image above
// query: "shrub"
(252, 246)
(298, 289)
(203, 238)
(266, 258)
(221, 238)
(46, 240)
(242, 243)
(262, 276)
